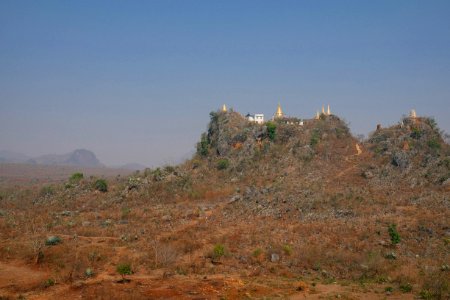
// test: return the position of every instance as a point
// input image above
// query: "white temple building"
(257, 118)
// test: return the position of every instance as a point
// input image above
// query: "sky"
(134, 81)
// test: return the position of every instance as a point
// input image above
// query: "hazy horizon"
(135, 81)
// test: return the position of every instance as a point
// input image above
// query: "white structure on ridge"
(413, 114)
(257, 118)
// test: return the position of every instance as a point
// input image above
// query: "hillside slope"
(275, 210)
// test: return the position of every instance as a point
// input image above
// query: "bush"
(203, 146)
(393, 233)
(47, 191)
(416, 133)
(89, 272)
(315, 138)
(53, 240)
(257, 252)
(406, 287)
(48, 283)
(287, 249)
(218, 251)
(223, 164)
(434, 144)
(124, 269)
(76, 177)
(101, 185)
(271, 130)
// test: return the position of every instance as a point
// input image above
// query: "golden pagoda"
(224, 108)
(328, 110)
(279, 113)
(323, 109)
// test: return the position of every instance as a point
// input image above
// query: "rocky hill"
(275, 210)
(79, 157)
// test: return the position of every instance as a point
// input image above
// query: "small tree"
(124, 269)
(76, 177)
(202, 146)
(223, 164)
(393, 233)
(271, 130)
(101, 185)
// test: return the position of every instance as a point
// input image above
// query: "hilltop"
(285, 208)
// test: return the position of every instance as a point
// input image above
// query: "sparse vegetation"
(53, 240)
(393, 233)
(124, 269)
(218, 251)
(271, 130)
(223, 164)
(76, 177)
(101, 185)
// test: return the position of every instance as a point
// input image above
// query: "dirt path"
(347, 158)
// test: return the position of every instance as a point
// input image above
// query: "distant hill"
(12, 157)
(79, 157)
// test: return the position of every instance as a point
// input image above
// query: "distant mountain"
(79, 157)
(12, 157)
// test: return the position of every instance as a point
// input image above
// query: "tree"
(124, 269)
(271, 130)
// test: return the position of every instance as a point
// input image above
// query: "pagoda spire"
(224, 108)
(279, 113)
(328, 110)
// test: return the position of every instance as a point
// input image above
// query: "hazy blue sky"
(134, 81)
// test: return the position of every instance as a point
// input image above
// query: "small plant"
(203, 146)
(434, 144)
(49, 282)
(271, 130)
(76, 177)
(257, 252)
(101, 185)
(218, 251)
(405, 287)
(416, 133)
(287, 249)
(53, 240)
(315, 138)
(47, 191)
(89, 272)
(389, 289)
(393, 233)
(223, 164)
(124, 269)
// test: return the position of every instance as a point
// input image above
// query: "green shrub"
(257, 252)
(76, 177)
(405, 287)
(315, 138)
(101, 185)
(89, 272)
(434, 144)
(287, 249)
(393, 233)
(218, 251)
(53, 240)
(49, 282)
(124, 269)
(416, 133)
(271, 130)
(47, 191)
(203, 146)
(389, 289)
(223, 164)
